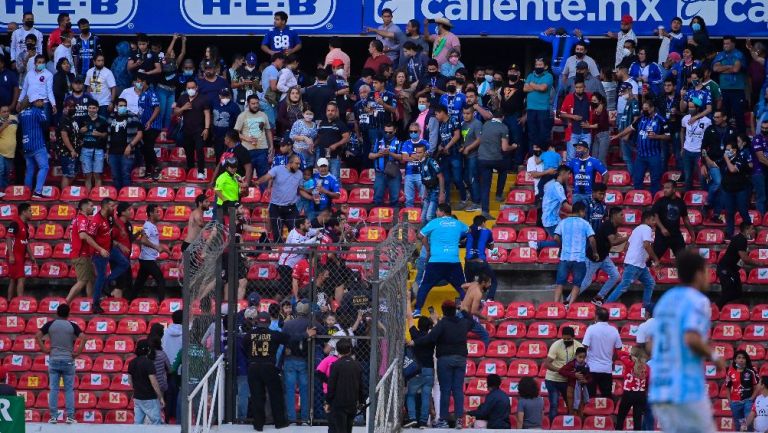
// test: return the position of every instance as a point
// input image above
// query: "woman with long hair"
(62, 81)
(599, 125)
(700, 38)
(289, 110)
(635, 388)
(530, 405)
(741, 381)
(404, 96)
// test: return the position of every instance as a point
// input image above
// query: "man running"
(17, 242)
(473, 305)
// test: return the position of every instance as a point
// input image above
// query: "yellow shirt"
(560, 356)
(8, 139)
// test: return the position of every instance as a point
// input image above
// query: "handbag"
(392, 169)
(411, 367)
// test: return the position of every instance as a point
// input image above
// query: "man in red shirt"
(54, 40)
(80, 254)
(300, 277)
(378, 58)
(17, 240)
(122, 238)
(100, 230)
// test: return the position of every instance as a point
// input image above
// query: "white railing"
(202, 422)
(386, 418)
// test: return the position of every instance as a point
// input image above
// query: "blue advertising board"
(347, 17)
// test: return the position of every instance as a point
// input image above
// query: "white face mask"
(625, 51)
(309, 117)
(225, 101)
(191, 92)
(340, 73)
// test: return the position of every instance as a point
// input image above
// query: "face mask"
(488, 78)
(696, 27)
(250, 68)
(498, 84)
(729, 153)
(513, 77)
(539, 70)
(422, 107)
(29, 23)
(414, 135)
(138, 86)
(209, 74)
(309, 117)
(764, 132)
(453, 60)
(581, 154)
(191, 92)
(646, 113)
(122, 111)
(225, 101)
(340, 73)
(568, 343)
(537, 152)
(451, 89)
(626, 52)
(188, 72)
(695, 83)
(389, 134)
(580, 76)
(30, 46)
(432, 74)
(40, 68)
(594, 104)
(693, 111)
(85, 30)
(580, 55)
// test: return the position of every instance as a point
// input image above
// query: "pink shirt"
(325, 368)
(440, 50)
(337, 54)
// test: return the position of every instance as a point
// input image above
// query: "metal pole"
(374, 362)
(232, 283)
(311, 362)
(187, 302)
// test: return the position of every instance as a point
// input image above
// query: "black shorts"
(242, 270)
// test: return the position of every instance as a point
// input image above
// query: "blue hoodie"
(120, 65)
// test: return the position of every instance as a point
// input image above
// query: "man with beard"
(256, 134)
(101, 85)
(285, 193)
(122, 238)
(196, 221)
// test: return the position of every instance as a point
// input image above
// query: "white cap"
(322, 162)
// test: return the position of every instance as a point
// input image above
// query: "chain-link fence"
(342, 287)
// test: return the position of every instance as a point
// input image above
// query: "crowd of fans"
(425, 123)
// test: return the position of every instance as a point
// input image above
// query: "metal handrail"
(203, 421)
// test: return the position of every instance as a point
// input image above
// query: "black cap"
(77, 79)
(225, 92)
(208, 64)
(581, 144)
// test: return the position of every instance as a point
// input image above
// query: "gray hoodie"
(172, 340)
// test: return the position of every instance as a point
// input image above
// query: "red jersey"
(100, 230)
(79, 225)
(301, 272)
(18, 230)
(742, 383)
(632, 382)
(122, 233)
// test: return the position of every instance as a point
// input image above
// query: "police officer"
(261, 345)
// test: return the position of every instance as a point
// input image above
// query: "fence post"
(185, 404)
(311, 355)
(232, 284)
(373, 375)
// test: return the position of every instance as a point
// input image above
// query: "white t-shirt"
(636, 254)
(694, 134)
(153, 235)
(601, 339)
(62, 51)
(644, 331)
(132, 99)
(100, 84)
(533, 167)
(760, 407)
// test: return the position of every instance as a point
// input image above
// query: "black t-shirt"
(318, 97)
(147, 62)
(194, 119)
(329, 133)
(741, 180)
(243, 74)
(122, 130)
(261, 344)
(602, 241)
(242, 155)
(94, 125)
(669, 211)
(513, 98)
(69, 125)
(140, 368)
(731, 257)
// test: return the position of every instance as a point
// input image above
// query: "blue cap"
(251, 59)
(254, 299)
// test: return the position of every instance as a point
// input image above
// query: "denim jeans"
(119, 264)
(296, 372)
(472, 177)
(570, 150)
(381, 183)
(166, 98)
(413, 187)
(539, 127)
(735, 201)
(422, 382)
(451, 166)
(58, 370)
(37, 169)
(517, 135)
(632, 273)
(714, 192)
(600, 146)
(477, 328)
(554, 391)
(548, 243)
(758, 186)
(259, 161)
(429, 206)
(335, 167)
(92, 160)
(740, 411)
(473, 268)
(243, 394)
(627, 147)
(121, 170)
(606, 266)
(6, 164)
(450, 375)
(691, 165)
(149, 409)
(652, 164)
(486, 177)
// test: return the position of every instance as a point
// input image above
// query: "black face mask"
(567, 343)
(432, 74)
(580, 55)
(539, 70)
(537, 152)
(450, 89)
(513, 77)
(68, 26)
(594, 104)
(85, 30)
(497, 83)
(30, 46)
(29, 23)
(580, 76)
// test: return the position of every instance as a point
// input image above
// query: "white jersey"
(760, 408)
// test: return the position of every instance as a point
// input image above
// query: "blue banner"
(347, 17)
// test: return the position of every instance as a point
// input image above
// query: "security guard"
(261, 345)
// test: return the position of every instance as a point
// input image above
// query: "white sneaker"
(52, 421)
(2, 194)
(200, 176)
(71, 420)
(533, 245)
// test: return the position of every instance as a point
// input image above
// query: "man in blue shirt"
(432, 179)
(447, 152)
(678, 390)
(554, 200)
(33, 122)
(479, 239)
(585, 168)
(387, 150)
(412, 184)
(573, 234)
(224, 116)
(651, 130)
(9, 85)
(326, 184)
(538, 86)
(441, 237)
(453, 100)
(281, 39)
(149, 114)
(730, 64)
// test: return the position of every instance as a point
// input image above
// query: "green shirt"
(714, 90)
(229, 188)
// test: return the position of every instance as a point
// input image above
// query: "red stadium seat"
(549, 255)
(724, 350)
(521, 311)
(33, 380)
(107, 364)
(102, 192)
(360, 196)
(94, 382)
(511, 215)
(169, 232)
(132, 194)
(638, 197)
(510, 329)
(491, 366)
(34, 324)
(101, 326)
(636, 312)
(348, 176)
(527, 234)
(617, 178)
(758, 276)
(121, 381)
(524, 178)
(164, 321)
(734, 313)
(581, 311)
(726, 332)
(471, 368)
(93, 344)
(49, 304)
(630, 217)
(520, 197)
(41, 250)
(475, 348)
(598, 422)
(253, 194)
(18, 362)
(61, 212)
(372, 234)
(579, 329)
(754, 217)
(523, 368)
(6, 344)
(477, 386)
(132, 326)
(192, 176)
(666, 275)
(39, 212)
(113, 400)
(628, 331)
(89, 417)
(695, 217)
(22, 305)
(262, 271)
(503, 235)
(117, 306)
(754, 350)
(143, 306)
(522, 255)
(11, 324)
(551, 311)
(695, 198)
(710, 237)
(754, 332)
(411, 215)
(18, 193)
(493, 310)
(49, 231)
(119, 417)
(566, 422)
(171, 271)
(759, 313)
(356, 214)
(343, 197)
(542, 330)
(381, 215)
(169, 305)
(721, 407)
(118, 344)
(178, 213)
(175, 175)
(8, 212)
(499, 348)
(367, 176)
(613, 197)
(532, 349)
(81, 306)
(53, 270)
